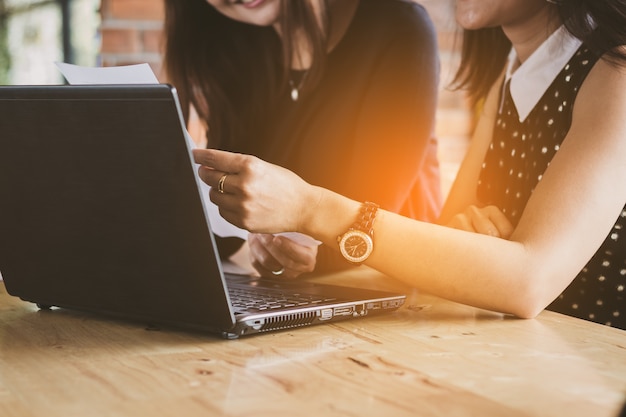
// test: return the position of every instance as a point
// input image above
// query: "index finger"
(219, 160)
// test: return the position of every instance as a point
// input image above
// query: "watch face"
(356, 246)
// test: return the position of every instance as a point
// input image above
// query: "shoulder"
(396, 16)
(410, 9)
(600, 106)
(604, 86)
(396, 33)
(605, 67)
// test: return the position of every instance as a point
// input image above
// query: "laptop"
(101, 211)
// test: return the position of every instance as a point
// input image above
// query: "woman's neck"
(528, 35)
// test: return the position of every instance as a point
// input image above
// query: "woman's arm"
(568, 216)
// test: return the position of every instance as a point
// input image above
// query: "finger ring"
(278, 271)
(220, 184)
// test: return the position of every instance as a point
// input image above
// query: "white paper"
(219, 225)
(127, 74)
(142, 74)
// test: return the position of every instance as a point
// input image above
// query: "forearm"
(473, 269)
(465, 267)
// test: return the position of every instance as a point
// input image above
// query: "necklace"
(295, 87)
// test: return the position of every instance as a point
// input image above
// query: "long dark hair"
(231, 72)
(600, 24)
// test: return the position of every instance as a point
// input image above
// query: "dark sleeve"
(395, 161)
(396, 120)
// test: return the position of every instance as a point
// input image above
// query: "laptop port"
(344, 311)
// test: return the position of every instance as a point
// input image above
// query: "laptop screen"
(100, 207)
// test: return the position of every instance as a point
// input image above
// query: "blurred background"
(34, 34)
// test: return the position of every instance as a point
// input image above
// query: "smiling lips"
(249, 3)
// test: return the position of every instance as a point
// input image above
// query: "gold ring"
(220, 184)
(278, 271)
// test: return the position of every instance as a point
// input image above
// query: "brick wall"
(131, 34)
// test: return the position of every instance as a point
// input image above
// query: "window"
(34, 34)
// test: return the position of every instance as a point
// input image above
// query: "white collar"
(531, 80)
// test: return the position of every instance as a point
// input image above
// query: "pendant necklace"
(295, 88)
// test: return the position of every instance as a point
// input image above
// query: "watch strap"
(366, 216)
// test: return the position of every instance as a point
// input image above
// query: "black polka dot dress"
(515, 163)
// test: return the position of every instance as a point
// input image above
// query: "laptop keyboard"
(259, 299)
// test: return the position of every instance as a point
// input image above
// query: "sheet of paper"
(127, 74)
(142, 74)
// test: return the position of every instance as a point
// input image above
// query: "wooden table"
(430, 358)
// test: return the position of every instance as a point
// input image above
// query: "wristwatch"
(357, 243)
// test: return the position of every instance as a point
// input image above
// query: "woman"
(334, 90)
(539, 199)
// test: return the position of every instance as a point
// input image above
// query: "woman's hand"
(254, 194)
(278, 256)
(487, 220)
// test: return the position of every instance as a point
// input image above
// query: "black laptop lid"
(99, 207)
